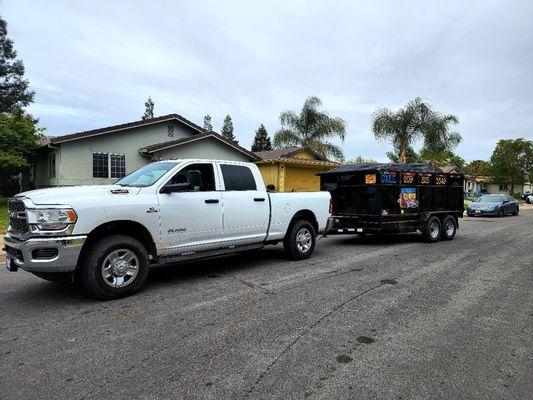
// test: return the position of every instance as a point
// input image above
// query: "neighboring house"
(484, 184)
(293, 169)
(104, 155)
(475, 184)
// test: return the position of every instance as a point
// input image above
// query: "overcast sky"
(94, 63)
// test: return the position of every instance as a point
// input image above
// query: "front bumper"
(63, 251)
(482, 213)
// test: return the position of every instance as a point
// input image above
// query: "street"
(365, 317)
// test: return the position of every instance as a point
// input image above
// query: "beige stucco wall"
(206, 149)
(74, 159)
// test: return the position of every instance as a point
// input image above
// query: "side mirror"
(194, 179)
(271, 188)
(194, 182)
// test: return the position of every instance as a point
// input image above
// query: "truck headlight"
(51, 219)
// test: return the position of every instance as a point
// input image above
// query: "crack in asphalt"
(225, 341)
(304, 332)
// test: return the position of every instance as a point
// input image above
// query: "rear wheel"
(432, 231)
(449, 228)
(114, 267)
(300, 240)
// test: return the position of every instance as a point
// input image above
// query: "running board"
(208, 253)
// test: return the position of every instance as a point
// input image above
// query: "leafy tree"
(511, 161)
(261, 140)
(312, 128)
(207, 123)
(148, 109)
(414, 121)
(477, 168)
(227, 130)
(18, 142)
(14, 91)
(361, 160)
(441, 158)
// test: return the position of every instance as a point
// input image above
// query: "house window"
(52, 165)
(170, 130)
(117, 165)
(107, 165)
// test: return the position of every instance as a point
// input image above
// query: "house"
(293, 169)
(101, 156)
(483, 184)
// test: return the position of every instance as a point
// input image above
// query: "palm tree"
(311, 128)
(402, 127)
(414, 121)
(437, 136)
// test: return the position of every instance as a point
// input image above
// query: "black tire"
(501, 213)
(449, 228)
(296, 247)
(91, 275)
(432, 231)
(517, 209)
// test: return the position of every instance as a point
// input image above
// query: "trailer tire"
(432, 231)
(300, 240)
(125, 276)
(449, 228)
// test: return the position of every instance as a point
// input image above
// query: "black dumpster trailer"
(394, 198)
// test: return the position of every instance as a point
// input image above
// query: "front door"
(191, 220)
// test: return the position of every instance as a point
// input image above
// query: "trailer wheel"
(432, 231)
(300, 240)
(449, 228)
(115, 266)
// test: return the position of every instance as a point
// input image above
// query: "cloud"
(95, 63)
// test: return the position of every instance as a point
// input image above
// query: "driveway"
(364, 318)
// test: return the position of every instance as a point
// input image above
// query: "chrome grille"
(18, 220)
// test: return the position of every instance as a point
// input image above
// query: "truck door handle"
(211, 201)
(259, 199)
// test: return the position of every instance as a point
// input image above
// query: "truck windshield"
(147, 175)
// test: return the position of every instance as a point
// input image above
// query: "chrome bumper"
(21, 253)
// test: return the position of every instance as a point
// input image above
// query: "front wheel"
(432, 231)
(114, 267)
(515, 212)
(501, 213)
(300, 240)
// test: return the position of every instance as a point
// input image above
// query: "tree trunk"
(403, 156)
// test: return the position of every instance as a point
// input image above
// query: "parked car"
(528, 198)
(165, 212)
(394, 198)
(493, 204)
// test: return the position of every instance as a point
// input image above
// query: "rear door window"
(237, 177)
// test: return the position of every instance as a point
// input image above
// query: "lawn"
(3, 215)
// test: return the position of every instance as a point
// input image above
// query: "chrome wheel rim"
(304, 240)
(450, 227)
(120, 268)
(434, 230)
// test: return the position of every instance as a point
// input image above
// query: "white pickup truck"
(165, 212)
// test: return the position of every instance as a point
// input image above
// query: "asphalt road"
(364, 318)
